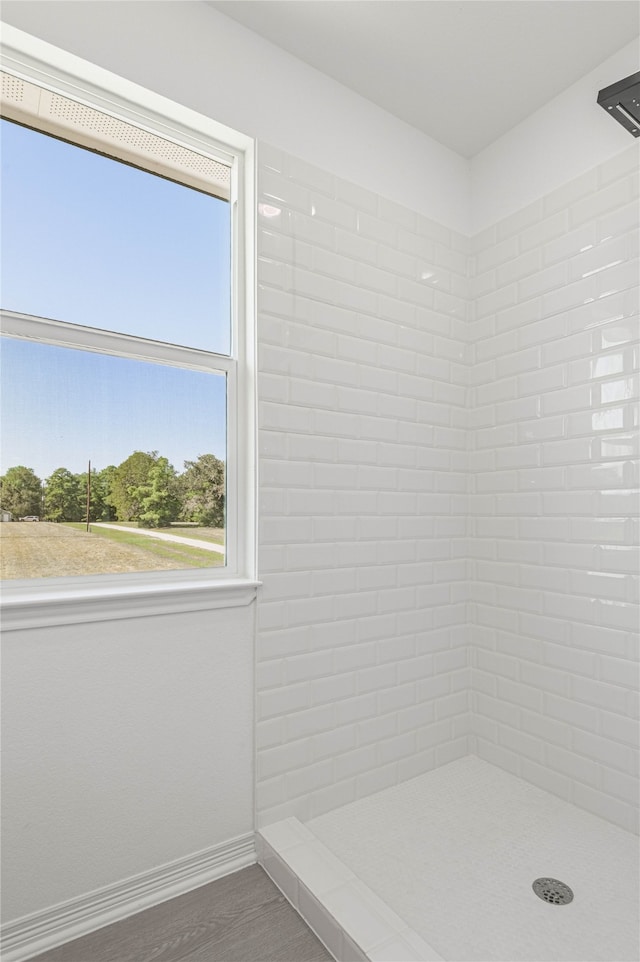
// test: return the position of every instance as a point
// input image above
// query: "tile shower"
(448, 477)
(362, 648)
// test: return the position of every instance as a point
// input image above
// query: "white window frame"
(50, 601)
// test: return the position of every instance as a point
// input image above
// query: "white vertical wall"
(361, 647)
(127, 744)
(554, 491)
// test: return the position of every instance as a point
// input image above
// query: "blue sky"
(95, 242)
(62, 408)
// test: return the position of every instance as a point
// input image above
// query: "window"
(127, 348)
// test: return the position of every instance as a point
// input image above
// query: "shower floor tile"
(454, 853)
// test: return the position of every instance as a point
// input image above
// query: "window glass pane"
(93, 241)
(156, 439)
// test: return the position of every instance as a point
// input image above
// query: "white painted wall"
(128, 744)
(567, 137)
(197, 56)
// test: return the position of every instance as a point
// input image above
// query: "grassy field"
(44, 550)
(216, 535)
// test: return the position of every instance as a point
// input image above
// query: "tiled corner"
(352, 922)
(449, 492)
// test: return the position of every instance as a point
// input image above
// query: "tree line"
(145, 488)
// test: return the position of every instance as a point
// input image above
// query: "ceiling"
(462, 72)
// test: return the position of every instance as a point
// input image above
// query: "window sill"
(69, 602)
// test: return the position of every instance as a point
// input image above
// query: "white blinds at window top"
(30, 104)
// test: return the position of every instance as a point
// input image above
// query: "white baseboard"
(69, 920)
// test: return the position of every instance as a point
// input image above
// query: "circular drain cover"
(553, 891)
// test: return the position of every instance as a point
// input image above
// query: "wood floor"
(240, 918)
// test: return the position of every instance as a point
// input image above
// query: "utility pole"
(88, 493)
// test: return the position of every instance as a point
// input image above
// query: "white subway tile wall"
(363, 667)
(448, 492)
(553, 496)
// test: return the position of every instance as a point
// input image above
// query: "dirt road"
(161, 536)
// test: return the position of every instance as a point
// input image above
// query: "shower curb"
(352, 922)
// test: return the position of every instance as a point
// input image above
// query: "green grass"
(183, 529)
(194, 531)
(182, 554)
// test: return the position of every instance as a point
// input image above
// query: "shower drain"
(553, 891)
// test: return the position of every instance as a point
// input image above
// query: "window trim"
(39, 602)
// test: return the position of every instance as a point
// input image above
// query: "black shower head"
(622, 101)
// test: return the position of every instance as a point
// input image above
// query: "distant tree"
(62, 497)
(99, 509)
(202, 487)
(158, 496)
(126, 484)
(21, 492)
